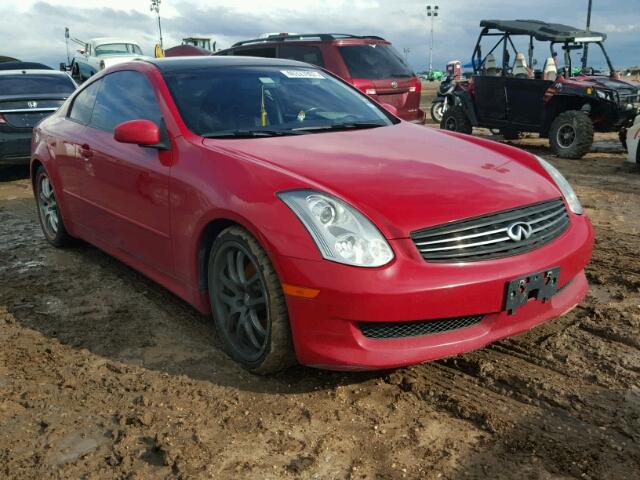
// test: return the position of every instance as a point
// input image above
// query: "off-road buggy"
(556, 102)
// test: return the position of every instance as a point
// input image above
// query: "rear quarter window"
(374, 62)
(302, 53)
(82, 107)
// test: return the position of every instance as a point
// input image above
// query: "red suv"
(369, 63)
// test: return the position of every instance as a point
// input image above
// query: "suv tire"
(248, 304)
(571, 134)
(456, 120)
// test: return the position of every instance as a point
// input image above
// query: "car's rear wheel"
(456, 120)
(49, 211)
(248, 303)
(571, 134)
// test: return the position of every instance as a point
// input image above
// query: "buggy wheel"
(248, 304)
(571, 134)
(456, 120)
(509, 134)
(436, 111)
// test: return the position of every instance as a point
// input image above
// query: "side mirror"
(138, 132)
(63, 67)
(390, 108)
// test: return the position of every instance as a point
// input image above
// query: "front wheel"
(571, 134)
(456, 120)
(49, 211)
(437, 111)
(248, 303)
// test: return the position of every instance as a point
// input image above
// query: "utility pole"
(432, 13)
(585, 50)
(155, 7)
(406, 51)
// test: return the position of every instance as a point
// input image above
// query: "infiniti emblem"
(394, 84)
(32, 104)
(519, 231)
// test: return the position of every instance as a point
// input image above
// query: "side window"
(267, 52)
(82, 107)
(302, 53)
(125, 96)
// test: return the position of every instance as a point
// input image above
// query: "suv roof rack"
(324, 37)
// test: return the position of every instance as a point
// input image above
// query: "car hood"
(609, 83)
(404, 177)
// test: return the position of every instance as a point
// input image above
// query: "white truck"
(100, 53)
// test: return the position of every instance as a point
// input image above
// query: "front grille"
(383, 330)
(487, 237)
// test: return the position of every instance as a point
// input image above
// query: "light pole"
(432, 13)
(585, 50)
(155, 7)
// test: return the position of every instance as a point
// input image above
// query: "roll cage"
(570, 38)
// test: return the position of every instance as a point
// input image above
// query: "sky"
(34, 30)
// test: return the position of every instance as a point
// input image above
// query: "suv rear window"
(33, 84)
(266, 52)
(374, 62)
(302, 53)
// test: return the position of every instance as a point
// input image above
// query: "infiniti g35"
(306, 218)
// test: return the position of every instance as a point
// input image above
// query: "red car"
(313, 223)
(369, 63)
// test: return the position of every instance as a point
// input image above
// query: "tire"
(436, 111)
(571, 134)
(255, 334)
(48, 211)
(456, 120)
(509, 134)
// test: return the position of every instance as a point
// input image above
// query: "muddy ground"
(104, 374)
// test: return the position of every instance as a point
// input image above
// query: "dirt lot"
(103, 374)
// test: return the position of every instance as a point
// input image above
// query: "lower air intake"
(384, 330)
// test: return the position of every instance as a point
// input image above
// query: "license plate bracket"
(541, 286)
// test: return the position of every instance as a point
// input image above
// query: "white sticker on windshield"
(302, 74)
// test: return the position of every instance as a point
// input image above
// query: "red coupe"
(307, 218)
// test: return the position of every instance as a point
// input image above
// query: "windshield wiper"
(246, 133)
(341, 126)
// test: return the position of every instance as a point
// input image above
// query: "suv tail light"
(416, 85)
(2, 120)
(365, 86)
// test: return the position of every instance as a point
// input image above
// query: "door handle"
(85, 151)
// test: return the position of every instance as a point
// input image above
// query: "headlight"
(564, 186)
(341, 233)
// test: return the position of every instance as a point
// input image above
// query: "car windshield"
(26, 84)
(374, 62)
(118, 49)
(265, 101)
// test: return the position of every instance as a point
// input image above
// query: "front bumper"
(15, 148)
(326, 332)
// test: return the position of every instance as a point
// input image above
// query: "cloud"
(34, 30)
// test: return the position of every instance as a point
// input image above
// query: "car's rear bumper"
(15, 148)
(327, 332)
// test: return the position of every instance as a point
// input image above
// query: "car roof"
(553, 32)
(23, 66)
(173, 64)
(106, 40)
(33, 72)
(307, 37)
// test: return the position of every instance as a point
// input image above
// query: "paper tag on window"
(302, 74)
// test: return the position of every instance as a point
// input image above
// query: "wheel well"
(208, 236)
(33, 169)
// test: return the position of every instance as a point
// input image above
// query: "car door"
(68, 145)
(128, 186)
